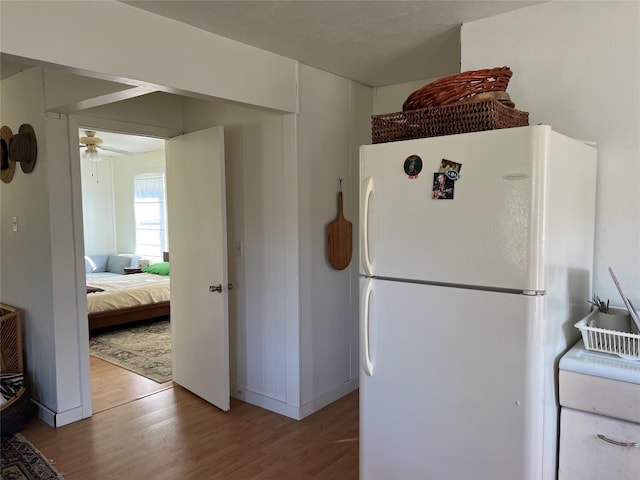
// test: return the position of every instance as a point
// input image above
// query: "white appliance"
(468, 302)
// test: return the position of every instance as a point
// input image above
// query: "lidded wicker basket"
(460, 86)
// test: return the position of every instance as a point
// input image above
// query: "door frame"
(76, 122)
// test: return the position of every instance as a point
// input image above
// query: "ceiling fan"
(93, 144)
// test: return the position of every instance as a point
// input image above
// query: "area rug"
(20, 460)
(144, 348)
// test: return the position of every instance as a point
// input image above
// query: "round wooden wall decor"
(24, 148)
(8, 164)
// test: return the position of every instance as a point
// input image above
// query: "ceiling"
(376, 43)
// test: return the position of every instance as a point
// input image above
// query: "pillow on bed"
(160, 268)
(117, 263)
(95, 263)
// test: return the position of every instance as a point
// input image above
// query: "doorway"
(259, 172)
(196, 199)
(123, 198)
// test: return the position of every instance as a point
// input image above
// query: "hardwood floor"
(173, 434)
(112, 386)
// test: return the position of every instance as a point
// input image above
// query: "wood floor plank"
(173, 434)
(112, 385)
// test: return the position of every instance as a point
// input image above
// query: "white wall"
(389, 99)
(28, 268)
(331, 110)
(38, 265)
(98, 206)
(577, 68)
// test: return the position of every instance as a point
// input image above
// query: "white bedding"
(122, 291)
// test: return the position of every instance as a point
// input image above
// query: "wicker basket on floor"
(460, 117)
(458, 87)
(15, 412)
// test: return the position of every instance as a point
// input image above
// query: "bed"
(115, 297)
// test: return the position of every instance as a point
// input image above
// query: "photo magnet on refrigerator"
(413, 166)
(443, 187)
(450, 169)
(444, 180)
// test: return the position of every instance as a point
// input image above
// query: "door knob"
(218, 288)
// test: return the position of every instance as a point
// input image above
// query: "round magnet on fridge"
(412, 166)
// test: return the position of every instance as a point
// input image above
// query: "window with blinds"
(150, 215)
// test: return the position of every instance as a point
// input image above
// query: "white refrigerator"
(476, 255)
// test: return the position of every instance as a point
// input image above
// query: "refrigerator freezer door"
(449, 392)
(488, 234)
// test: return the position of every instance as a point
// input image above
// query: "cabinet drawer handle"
(620, 444)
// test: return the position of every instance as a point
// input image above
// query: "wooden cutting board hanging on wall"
(339, 238)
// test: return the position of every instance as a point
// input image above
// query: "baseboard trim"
(328, 397)
(44, 414)
(54, 419)
(291, 411)
(266, 402)
(69, 416)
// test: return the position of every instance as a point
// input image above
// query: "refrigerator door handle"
(367, 364)
(366, 259)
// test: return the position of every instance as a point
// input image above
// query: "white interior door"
(198, 254)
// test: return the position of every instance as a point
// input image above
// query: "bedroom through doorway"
(126, 265)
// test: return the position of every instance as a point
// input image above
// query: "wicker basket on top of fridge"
(470, 101)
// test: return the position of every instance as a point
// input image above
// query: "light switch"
(14, 224)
